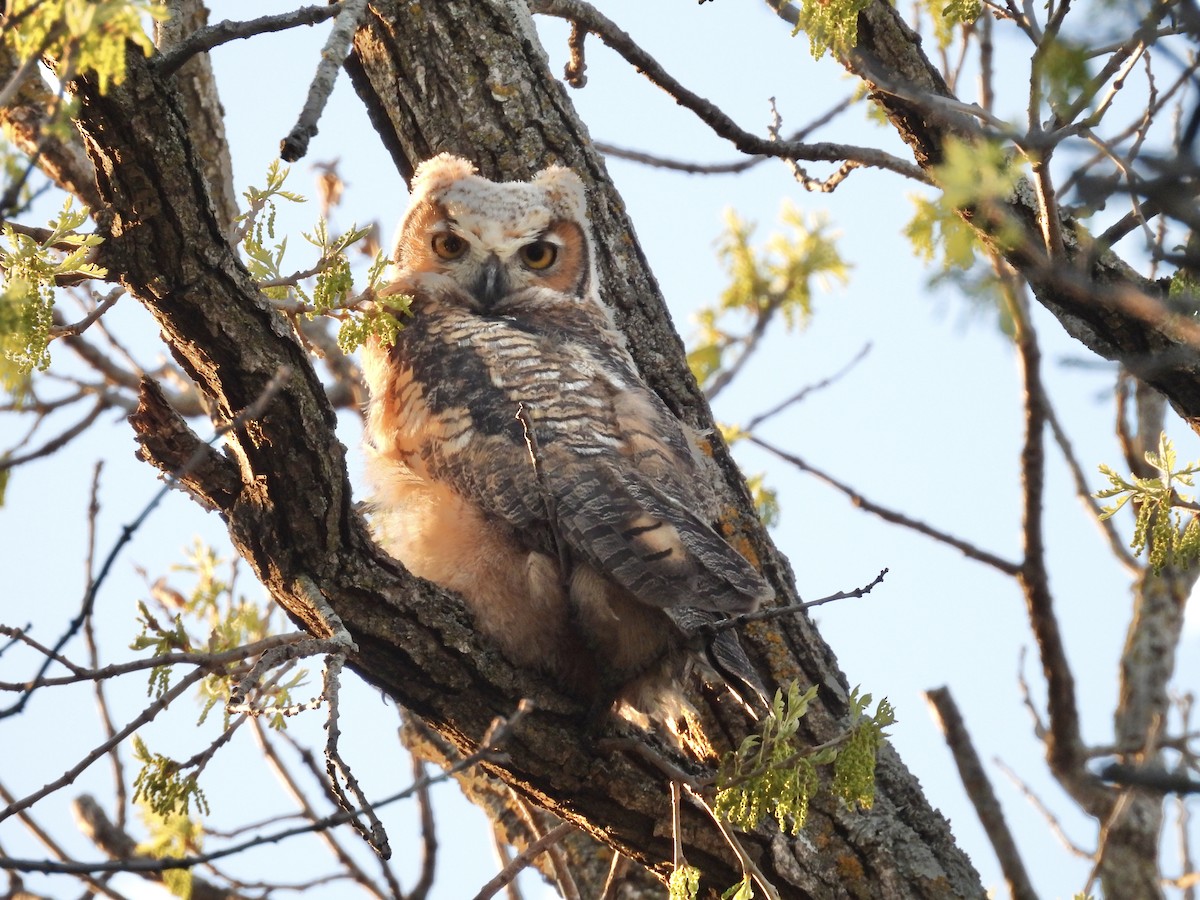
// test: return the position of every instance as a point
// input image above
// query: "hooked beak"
(491, 284)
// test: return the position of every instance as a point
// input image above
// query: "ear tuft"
(439, 172)
(565, 190)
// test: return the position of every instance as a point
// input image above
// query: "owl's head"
(495, 239)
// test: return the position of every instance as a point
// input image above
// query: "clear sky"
(928, 423)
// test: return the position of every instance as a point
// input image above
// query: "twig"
(333, 54)
(373, 833)
(558, 861)
(206, 662)
(494, 738)
(749, 866)
(352, 868)
(617, 870)
(888, 515)
(147, 715)
(82, 325)
(1036, 801)
(575, 72)
(523, 859)
(979, 790)
(429, 842)
(59, 441)
(89, 632)
(223, 32)
(729, 168)
(595, 22)
(809, 389)
(53, 846)
(1107, 527)
(776, 612)
(1064, 746)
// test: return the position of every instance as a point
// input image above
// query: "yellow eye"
(448, 245)
(539, 254)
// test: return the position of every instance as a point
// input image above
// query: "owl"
(519, 460)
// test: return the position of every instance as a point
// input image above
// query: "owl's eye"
(539, 254)
(448, 245)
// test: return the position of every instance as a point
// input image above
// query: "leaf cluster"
(161, 785)
(1159, 524)
(830, 25)
(83, 35)
(774, 279)
(947, 15)
(333, 292)
(172, 835)
(32, 269)
(684, 883)
(772, 774)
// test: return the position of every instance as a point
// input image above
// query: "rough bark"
(281, 483)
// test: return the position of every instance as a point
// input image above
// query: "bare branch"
(292, 786)
(1064, 746)
(730, 168)
(598, 24)
(809, 389)
(1156, 779)
(79, 327)
(523, 859)
(333, 54)
(776, 612)
(59, 441)
(489, 751)
(1051, 820)
(54, 847)
(979, 790)
(147, 715)
(223, 32)
(890, 515)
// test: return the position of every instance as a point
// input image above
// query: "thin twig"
(523, 859)
(1051, 820)
(54, 847)
(429, 841)
(308, 812)
(809, 389)
(68, 777)
(1064, 746)
(1107, 527)
(889, 515)
(499, 731)
(776, 612)
(79, 327)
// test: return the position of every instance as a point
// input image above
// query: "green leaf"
(684, 883)
(830, 24)
(83, 35)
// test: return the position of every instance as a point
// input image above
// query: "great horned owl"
(517, 456)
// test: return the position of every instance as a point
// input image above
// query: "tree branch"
(979, 790)
(889, 515)
(604, 28)
(228, 30)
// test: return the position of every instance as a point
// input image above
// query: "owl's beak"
(492, 284)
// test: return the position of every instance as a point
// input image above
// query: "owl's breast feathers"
(607, 474)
